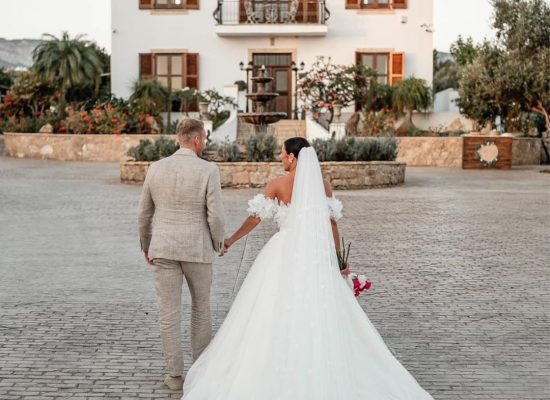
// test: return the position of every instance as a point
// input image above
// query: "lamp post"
(296, 68)
(248, 69)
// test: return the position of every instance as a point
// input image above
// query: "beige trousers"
(168, 284)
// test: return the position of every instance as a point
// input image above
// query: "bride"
(295, 330)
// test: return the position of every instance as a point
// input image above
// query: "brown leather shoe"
(173, 382)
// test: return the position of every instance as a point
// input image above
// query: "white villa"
(205, 43)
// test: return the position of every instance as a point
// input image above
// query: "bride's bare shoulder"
(273, 187)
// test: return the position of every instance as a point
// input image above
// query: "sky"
(29, 19)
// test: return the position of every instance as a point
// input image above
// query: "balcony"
(271, 18)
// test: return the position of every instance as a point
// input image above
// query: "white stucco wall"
(141, 31)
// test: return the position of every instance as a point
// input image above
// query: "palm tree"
(409, 95)
(67, 62)
(149, 96)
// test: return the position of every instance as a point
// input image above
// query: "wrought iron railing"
(271, 12)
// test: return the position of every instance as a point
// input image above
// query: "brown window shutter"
(399, 3)
(353, 4)
(242, 12)
(145, 65)
(192, 4)
(191, 70)
(145, 4)
(357, 58)
(312, 12)
(397, 67)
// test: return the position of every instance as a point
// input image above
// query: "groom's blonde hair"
(188, 128)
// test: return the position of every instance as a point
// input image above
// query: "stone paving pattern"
(459, 262)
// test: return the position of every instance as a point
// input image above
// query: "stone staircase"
(282, 130)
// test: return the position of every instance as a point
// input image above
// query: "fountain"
(259, 116)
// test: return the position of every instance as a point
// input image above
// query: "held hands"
(226, 245)
(345, 272)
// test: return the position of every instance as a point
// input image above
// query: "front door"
(277, 66)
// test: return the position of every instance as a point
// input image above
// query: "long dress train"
(295, 330)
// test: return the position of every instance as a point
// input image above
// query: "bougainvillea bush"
(323, 86)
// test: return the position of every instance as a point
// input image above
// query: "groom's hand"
(225, 248)
(146, 255)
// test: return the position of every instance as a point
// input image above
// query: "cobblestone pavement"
(459, 262)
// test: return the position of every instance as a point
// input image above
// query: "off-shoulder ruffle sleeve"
(335, 207)
(261, 206)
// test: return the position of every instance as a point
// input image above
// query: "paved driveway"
(459, 262)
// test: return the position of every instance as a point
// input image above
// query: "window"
(376, 4)
(175, 71)
(168, 4)
(378, 62)
(390, 67)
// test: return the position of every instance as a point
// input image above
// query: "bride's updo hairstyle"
(295, 144)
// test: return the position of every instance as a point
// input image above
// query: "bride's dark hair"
(295, 144)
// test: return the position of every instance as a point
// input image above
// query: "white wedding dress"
(295, 330)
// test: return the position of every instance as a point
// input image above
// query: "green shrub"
(153, 151)
(261, 148)
(351, 149)
(325, 149)
(229, 151)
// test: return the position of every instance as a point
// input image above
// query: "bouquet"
(358, 283)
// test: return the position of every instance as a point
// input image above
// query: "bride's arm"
(249, 223)
(335, 232)
(334, 224)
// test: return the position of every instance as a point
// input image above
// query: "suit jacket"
(181, 214)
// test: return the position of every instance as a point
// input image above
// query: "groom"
(181, 225)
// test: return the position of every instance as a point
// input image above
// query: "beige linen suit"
(181, 225)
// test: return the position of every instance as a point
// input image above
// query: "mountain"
(17, 53)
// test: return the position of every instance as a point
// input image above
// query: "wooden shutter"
(399, 4)
(397, 67)
(145, 65)
(191, 75)
(242, 12)
(353, 4)
(192, 4)
(145, 4)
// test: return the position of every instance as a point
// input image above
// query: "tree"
(478, 90)
(510, 75)
(29, 96)
(6, 80)
(464, 51)
(409, 95)
(446, 76)
(150, 97)
(67, 62)
(92, 92)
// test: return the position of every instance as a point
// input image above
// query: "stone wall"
(527, 151)
(447, 151)
(414, 151)
(430, 151)
(104, 148)
(349, 175)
